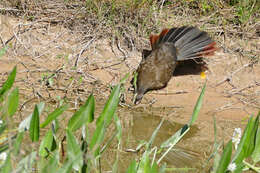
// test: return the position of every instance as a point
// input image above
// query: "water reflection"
(144, 125)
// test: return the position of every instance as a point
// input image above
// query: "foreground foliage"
(84, 155)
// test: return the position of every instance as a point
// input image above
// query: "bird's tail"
(190, 42)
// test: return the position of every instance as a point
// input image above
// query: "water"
(138, 127)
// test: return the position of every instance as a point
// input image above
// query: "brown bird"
(168, 48)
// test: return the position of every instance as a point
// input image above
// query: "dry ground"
(56, 62)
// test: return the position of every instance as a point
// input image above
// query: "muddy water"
(138, 127)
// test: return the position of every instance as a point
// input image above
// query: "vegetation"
(51, 155)
(35, 143)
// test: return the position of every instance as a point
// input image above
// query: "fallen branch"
(229, 77)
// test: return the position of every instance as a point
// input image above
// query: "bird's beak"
(138, 98)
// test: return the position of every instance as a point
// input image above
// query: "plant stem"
(256, 169)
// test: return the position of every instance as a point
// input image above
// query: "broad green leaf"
(55, 125)
(73, 147)
(144, 165)
(34, 125)
(25, 124)
(83, 115)
(13, 102)
(46, 144)
(154, 168)
(7, 167)
(105, 118)
(239, 168)
(74, 150)
(110, 107)
(98, 136)
(253, 137)
(52, 116)
(247, 142)
(18, 142)
(132, 167)
(9, 82)
(67, 167)
(256, 153)
(225, 158)
(197, 107)
(51, 164)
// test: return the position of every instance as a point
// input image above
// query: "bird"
(168, 49)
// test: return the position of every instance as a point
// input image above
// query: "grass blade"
(7, 167)
(176, 137)
(34, 125)
(25, 124)
(67, 167)
(18, 142)
(110, 106)
(46, 144)
(52, 116)
(225, 158)
(197, 106)
(149, 144)
(13, 102)
(132, 167)
(154, 168)
(247, 142)
(216, 145)
(105, 118)
(74, 151)
(83, 115)
(123, 80)
(98, 136)
(256, 153)
(216, 162)
(9, 82)
(173, 140)
(51, 164)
